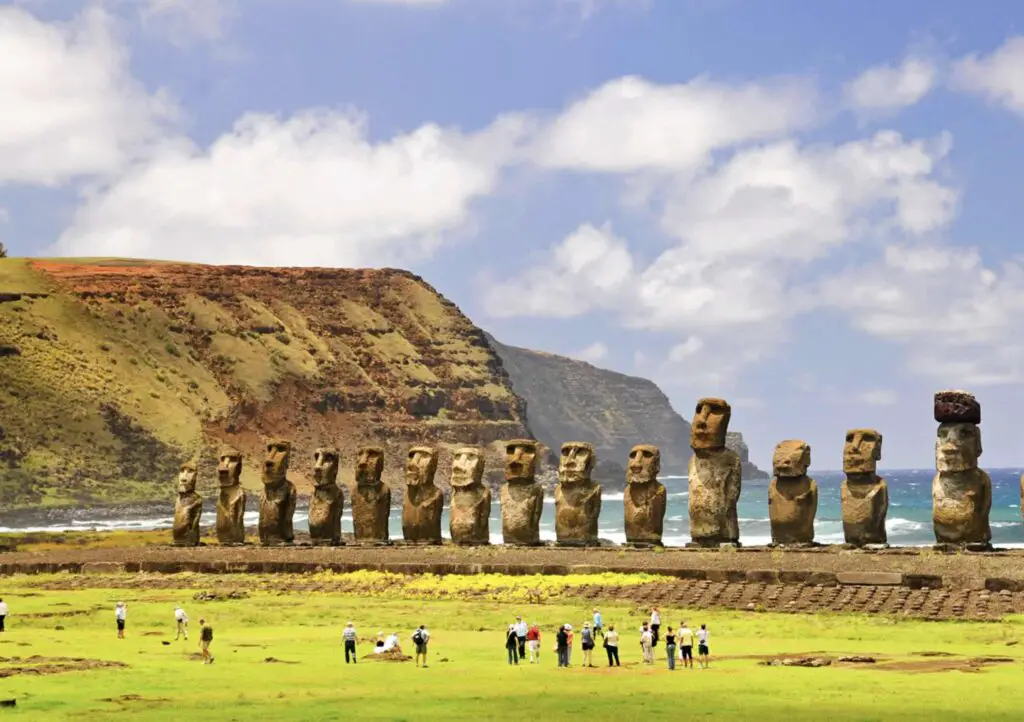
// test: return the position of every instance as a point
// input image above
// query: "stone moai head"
(467, 467)
(275, 466)
(521, 461)
(420, 466)
(576, 463)
(644, 464)
(792, 458)
(187, 478)
(369, 465)
(862, 451)
(325, 467)
(958, 446)
(710, 424)
(229, 468)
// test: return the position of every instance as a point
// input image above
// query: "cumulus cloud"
(594, 353)
(180, 20)
(310, 189)
(891, 87)
(997, 77)
(71, 105)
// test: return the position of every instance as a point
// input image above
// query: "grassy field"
(278, 656)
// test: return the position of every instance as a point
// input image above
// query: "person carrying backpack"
(512, 644)
(205, 639)
(420, 638)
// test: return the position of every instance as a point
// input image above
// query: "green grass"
(468, 677)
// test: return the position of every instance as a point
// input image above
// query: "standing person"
(702, 647)
(655, 625)
(533, 642)
(670, 648)
(205, 639)
(3, 614)
(685, 636)
(181, 621)
(569, 641)
(420, 638)
(598, 628)
(646, 645)
(611, 645)
(562, 646)
(588, 645)
(512, 644)
(349, 638)
(120, 614)
(521, 630)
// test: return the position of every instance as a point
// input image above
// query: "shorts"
(702, 649)
(204, 644)
(587, 647)
(687, 651)
(120, 625)
(421, 648)
(534, 645)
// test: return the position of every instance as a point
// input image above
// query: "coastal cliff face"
(734, 441)
(113, 372)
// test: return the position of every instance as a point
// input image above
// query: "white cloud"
(631, 124)
(594, 353)
(309, 189)
(410, 3)
(878, 397)
(998, 77)
(71, 106)
(890, 87)
(179, 20)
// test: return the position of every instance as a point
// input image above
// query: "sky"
(805, 208)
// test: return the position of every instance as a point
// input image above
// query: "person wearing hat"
(120, 615)
(521, 630)
(569, 640)
(349, 637)
(588, 645)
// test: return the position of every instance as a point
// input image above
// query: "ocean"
(908, 523)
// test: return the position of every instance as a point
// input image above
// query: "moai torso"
(864, 494)
(522, 498)
(577, 496)
(231, 500)
(277, 500)
(471, 499)
(371, 499)
(328, 500)
(188, 507)
(792, 495)
(421, 509)
(645, 497)
(961, 492)
(715, 476)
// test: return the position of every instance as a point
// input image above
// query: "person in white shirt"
(391, 642)
(3, 614)
(702, 647)
(521, 629)
(647, 645)
(655, 625)
(120, 614)
(349, 637)
(420, 637)
(182, 621)
(686, 645)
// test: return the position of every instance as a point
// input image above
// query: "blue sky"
(810, 209)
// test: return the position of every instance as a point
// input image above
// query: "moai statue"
(792, 495)
(715, 477)
(277, 500)
(188, 507)
(961, 492)
(522, 498)
(328, 500)
(371, 498)
(421, 511)
(471, 499)
(864, 494)
(645, 496)
(231, 501)
(577, 496)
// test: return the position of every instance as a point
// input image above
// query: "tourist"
(588, 645)
(562, 646)
(521, 630)
(420, 638)
(120, 614)
(702, 647)
(533, 642)
(205, 639)
(611, 645)
(391, 643)
(379, 646)
(349, 638)
(512, 644)
(569, 641)
(670, 648)
(655, 625)
(598, 628)
(647, 645)
(3, 614)
(685, 638)
(181, 621)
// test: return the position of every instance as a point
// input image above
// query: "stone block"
(957, 407)
(762, 576)
(726, 575)
(874, 579)
(922, 581)
(792, 577)
(103, 568)
(998, 584)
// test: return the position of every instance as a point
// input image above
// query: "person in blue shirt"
(598, 629)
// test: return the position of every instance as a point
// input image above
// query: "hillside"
(113, 372)
(570, 399)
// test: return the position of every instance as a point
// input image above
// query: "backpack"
(417, 637)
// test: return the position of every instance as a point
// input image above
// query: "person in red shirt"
(533, 642)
